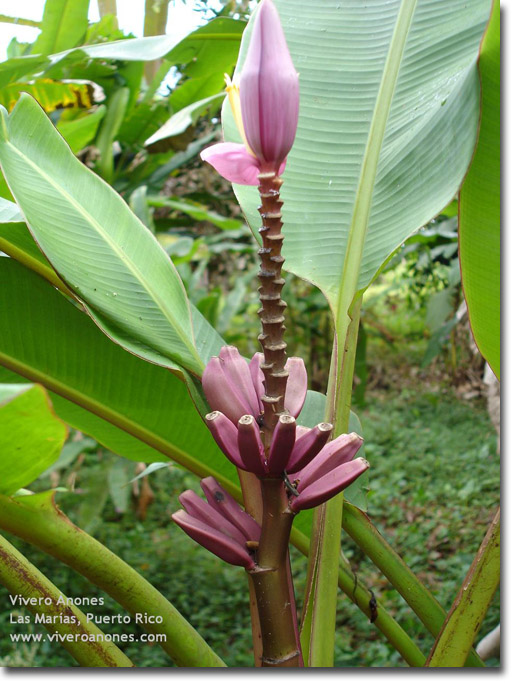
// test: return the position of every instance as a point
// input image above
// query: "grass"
(434, 489)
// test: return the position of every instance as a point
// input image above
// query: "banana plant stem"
(66, 624)
(38, 520)
(468, 610)
(321, 590)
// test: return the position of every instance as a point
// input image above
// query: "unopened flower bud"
(265, 105)
(269, 90)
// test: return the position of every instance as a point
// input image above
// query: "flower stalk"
(271, 313)
(272, 580)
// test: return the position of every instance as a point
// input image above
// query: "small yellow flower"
(233, 92)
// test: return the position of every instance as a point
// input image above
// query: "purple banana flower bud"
(283, 441)
(296, 386)
(226, 436)
(252, 451)
(215, 541)
(308, 445)
(204, 512)
(269, 90)
(222, 501)
(265, 105)
(337, 452)
(328, 485)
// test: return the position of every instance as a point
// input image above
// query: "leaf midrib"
(364, 192)
(115, 418)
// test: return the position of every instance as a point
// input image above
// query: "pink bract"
(269, 90)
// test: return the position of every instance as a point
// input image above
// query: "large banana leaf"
(96, 244)
(134, 408)
(16, 241)
(388, 117)
(480, 209)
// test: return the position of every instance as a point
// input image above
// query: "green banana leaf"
(105, 255)
(134, 408)
(480, 209)
(389, 107)
(16, 241)
(207, 45)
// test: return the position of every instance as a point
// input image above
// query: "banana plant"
(353, 125)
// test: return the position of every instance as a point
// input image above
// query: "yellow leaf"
(50, 94)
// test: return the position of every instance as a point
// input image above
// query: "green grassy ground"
(434, 489)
